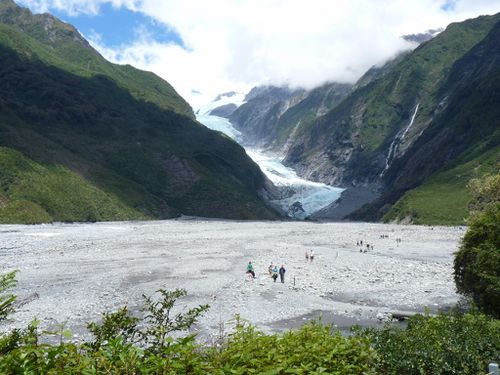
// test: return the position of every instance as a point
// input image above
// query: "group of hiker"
(273, 270)
(363, 249)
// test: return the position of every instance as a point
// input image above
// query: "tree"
(155, 330)
(477, 262)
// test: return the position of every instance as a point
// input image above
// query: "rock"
(225, 110)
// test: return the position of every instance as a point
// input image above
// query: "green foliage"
(7, 281)
(446, 344)
(449, 343)
(312, 349)
(477, 262)
(119, 324)
(160, 323)
(485, 192)
(37, 193)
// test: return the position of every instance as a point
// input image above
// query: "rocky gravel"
(70, 273)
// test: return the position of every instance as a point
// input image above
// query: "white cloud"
(236, 44)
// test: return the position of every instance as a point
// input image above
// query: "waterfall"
(396, 141)
(411, 122)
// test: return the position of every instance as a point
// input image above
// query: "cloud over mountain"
(236, 44)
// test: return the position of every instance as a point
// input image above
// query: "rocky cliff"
(420, 114)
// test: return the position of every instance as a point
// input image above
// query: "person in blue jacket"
(282, 273)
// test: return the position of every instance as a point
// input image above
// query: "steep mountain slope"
(271, 115)
(263, 106)
(84, 147)
(462, 142)
(60, 44)
(373, 136)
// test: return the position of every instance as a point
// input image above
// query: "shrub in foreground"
(450, 343)
(154, 344)
(477, 262)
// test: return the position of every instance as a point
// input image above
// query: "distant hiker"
(250, 269)
(361, 243)
(275, 273)
(311, 255)
(270, 269)
(371, 247)
(367, 247)
(282, 273)
(307, 256)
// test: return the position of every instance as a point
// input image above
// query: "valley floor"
(73, 272)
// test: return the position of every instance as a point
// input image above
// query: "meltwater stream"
(299, 197)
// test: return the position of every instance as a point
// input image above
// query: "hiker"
(270, 269)
(307, 256)
(311, 255)
(282, 274)
(250, 269)
(275, 273)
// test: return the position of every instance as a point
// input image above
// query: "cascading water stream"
(397, 140)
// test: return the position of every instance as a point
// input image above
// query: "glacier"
(299, 198)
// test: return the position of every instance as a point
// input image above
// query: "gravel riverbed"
(72, 272)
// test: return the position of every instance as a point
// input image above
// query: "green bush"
(446, 344)
(7, 281)
(450, 343)
(477, 263)
(312, 349)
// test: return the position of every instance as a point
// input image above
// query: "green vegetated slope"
(357, 133)
(140, 158)
(443, 198)
(464, 139)
(59, 44)
(453, 78)
(35, 193)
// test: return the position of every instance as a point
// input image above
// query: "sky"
(204, 48)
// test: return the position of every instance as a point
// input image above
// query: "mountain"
(225, 104)
(84, 139)
(261, 110)
(424, 115)
(422, 37)
(270, 115)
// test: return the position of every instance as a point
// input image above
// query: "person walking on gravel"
(250, 269)
(270, 269)
(282, 274)
(275, 273)
(311, 255)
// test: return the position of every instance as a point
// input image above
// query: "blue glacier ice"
(298, 197)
